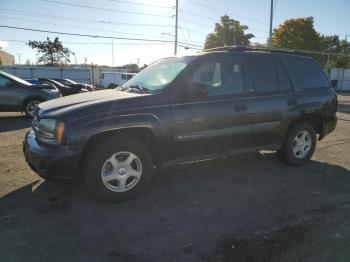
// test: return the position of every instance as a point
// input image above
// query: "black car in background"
(71, 83)
(218, 102)
(17, 94)
(64, 89)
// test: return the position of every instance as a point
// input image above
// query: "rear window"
(264, 73)
(309, 73)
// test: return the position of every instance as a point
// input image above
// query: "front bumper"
(52, 162)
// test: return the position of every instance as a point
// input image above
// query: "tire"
(29, 106)
(117, 181)
(111, 86)
(296, 153)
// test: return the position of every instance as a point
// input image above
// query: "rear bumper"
(329, 123)
(51, 162)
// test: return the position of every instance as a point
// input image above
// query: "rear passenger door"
(217, 121)
(271, 99)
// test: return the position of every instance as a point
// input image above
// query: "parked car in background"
(71, 83)
(64, 89)
(17, 94)
(114, 79)
(222, 101)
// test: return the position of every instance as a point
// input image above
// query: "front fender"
(85, 131)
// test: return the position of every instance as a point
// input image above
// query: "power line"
(35, 14)
(95, 43)
(225, 12)
(79, 27)
(106, 9)
(185, 26)
(197, 15)
(142, 4)
(92, 36)
(211, 26)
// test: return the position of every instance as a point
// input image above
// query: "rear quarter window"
(309, 73)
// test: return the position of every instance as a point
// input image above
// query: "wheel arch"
(145, 135)
(315, 119)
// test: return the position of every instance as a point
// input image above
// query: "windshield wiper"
(135, 88)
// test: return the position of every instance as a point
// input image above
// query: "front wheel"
(117, 170)
(30, 105)
(299, 144)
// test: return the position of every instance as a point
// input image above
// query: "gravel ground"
(243, 208)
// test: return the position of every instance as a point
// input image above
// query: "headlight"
(49, 131)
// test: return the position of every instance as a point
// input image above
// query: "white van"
(113, 79)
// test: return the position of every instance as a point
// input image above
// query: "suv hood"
(81, 100)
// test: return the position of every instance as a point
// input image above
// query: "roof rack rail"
(255, 48)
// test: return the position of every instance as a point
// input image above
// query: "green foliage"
(297, 34)
(228, 32)
(51, 53)
(300, 34)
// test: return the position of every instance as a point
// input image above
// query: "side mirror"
(196, 90)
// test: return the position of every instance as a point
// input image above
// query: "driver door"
(9, 94)
(215, 121)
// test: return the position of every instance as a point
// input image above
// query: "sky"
(151, 20)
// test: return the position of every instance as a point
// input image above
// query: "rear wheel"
(299, 144)
(30, 105)
(118, 170)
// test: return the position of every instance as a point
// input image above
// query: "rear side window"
(284, 81)
(309, 73)
(265, 79)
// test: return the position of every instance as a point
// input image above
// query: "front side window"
(13, 78)
(4, 81)
(158, 75)
(220, 77)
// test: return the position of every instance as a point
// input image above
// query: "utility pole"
(271, 19)
(176, 25)
(112, 53)
(19, 58)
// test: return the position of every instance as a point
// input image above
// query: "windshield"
(15, 78)
(57, 83)
(70, 81)
(159, 74)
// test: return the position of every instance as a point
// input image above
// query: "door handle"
(292, 102)
(240, 107)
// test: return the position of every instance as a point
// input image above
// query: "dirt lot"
(244, 208)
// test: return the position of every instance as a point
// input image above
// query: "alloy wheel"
(121, 172)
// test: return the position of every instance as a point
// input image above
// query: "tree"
(143, 67)
(300, 34)
(132, 67)
(51, 53)
(226, 33)
(297, 34)
(332, 44)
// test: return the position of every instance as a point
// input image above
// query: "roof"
(243, 48)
